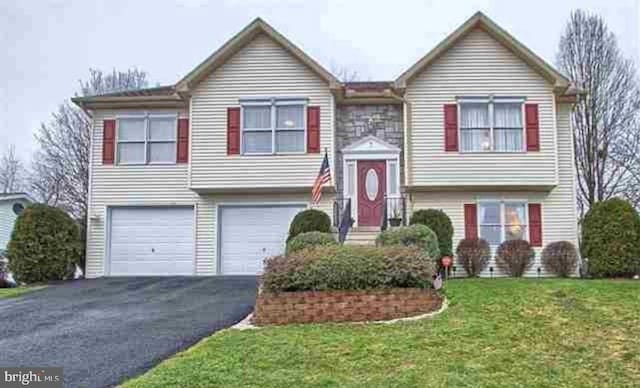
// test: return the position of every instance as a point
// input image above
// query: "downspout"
(405, 134)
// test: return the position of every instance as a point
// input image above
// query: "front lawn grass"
(18, 291)
(496, 332)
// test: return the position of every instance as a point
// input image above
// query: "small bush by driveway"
(106, 330)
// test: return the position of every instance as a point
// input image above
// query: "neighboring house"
(11, 205)
(203, 177)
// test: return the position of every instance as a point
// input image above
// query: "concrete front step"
(363, 235)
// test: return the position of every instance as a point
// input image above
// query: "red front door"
(372, 185)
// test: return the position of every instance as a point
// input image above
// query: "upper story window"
(502, 221)
(491, 125)
(273, 126)
(146, 139)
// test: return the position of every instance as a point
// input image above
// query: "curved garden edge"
(248, 322)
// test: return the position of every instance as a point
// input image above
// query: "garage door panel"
(151, 241)
(249, 234)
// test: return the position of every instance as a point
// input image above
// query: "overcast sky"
(47, 46)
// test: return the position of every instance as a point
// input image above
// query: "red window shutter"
(535, 224)
(532, 127)
(233, 131)
(183, 141)
(470, 220)
(313, 129)
(450, 127)
(108, 141)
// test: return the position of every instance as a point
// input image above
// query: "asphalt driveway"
(103, 331)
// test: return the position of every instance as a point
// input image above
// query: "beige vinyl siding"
(159, 185)
(262, 68)
(114, 185)
(477, 65)
(559, 220)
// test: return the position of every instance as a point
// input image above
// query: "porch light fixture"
(491, 271)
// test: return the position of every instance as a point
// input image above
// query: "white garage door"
(249, 234)
(151, 241)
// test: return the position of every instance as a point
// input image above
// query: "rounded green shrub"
(473, 254)
(418, 235)
(515, 257)
(611, 239)
(309, 239)
(310, 220)
(440, 223)
(44, 245)
(348, 267)
(560, 258)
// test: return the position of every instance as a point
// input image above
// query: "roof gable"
(240, 40)
(481, 21)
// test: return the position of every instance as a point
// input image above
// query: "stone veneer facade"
(354, 122)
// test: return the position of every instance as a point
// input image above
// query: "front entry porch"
(371, 186)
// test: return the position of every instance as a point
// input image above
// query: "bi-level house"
(203, 177)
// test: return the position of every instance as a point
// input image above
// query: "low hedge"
(414, 235)
(310, 220)
(560, 258)
(309, 239)
(515, 257)
(348, 267)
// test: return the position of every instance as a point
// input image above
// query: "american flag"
(324, 176)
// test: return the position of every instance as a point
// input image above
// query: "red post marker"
(446, 263)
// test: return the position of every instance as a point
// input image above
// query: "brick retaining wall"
(343, 306)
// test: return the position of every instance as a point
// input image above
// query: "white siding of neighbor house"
(8, 219)
(261, 68)
(477, 65)
(559, 219)
(159, 185)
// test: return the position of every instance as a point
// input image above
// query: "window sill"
(275, 154)
(148, 164)
(492, 152)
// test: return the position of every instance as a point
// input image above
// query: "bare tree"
(606, 119)
(116, 81)
(344, 73)
(60, 167)
(11, 171)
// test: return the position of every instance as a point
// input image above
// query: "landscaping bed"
(318, 281)
(344, 306)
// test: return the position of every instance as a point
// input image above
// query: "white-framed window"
(500, 221)
(494, 124)
(273, 126)
(147, 139)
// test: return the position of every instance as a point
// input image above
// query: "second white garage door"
(249, 234)
(151, 241)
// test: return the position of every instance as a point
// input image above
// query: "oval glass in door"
(372, 184)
